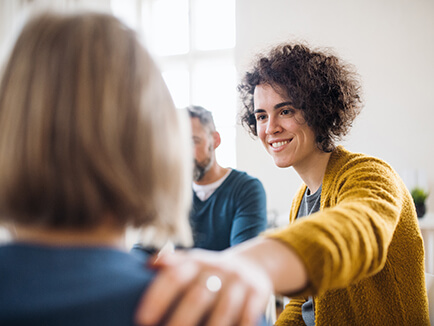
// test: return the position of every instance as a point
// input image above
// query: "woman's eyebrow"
(277, 106)
(280, 105)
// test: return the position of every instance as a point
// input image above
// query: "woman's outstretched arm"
(248, 272)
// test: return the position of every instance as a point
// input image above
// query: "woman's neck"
(312, 172)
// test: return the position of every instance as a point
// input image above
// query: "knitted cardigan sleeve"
(362, 201)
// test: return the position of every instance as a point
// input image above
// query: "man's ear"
(216, 138)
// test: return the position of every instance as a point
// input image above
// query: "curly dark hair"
(322, 86)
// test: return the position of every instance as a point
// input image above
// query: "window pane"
(214, 88)
(177, 81)
(125, 11)
(214, 24)
(170, 34)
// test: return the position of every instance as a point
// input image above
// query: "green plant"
(419, 195)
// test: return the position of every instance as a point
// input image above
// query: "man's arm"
(251, 212)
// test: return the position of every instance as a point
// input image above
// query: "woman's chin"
(282, 164)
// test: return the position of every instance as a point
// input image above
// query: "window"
(193, 42)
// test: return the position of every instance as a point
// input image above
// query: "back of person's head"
(88, 130)
(322, 86)
(205, 117)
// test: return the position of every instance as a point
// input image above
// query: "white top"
(203, 192)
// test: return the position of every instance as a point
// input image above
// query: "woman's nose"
(273, 126)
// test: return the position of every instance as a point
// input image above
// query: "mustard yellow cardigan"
(363, 250)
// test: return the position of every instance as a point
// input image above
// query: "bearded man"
(229, 206)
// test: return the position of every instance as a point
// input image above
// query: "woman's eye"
(287, 111)
(260, 117)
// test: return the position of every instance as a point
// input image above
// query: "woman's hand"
(180, 295)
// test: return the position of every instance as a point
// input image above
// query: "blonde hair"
(88, 129)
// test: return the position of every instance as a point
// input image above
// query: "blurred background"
(203, 47)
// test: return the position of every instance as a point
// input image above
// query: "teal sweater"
(235, 212)
(363, 250)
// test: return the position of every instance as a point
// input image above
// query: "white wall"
(391, 42)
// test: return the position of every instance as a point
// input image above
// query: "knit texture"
(363, 250)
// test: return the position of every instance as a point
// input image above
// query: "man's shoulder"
(242, 175)
(244, 180)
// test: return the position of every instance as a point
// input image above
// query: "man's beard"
(201, 168)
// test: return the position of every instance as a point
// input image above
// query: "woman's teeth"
(279, 143)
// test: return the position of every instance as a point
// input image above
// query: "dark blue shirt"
(51, 286)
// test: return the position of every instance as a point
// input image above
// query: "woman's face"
(282, 128)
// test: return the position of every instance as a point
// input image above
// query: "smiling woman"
(353, 252)
(299, 102)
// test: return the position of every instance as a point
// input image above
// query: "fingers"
(194, 305)
(253, 309)
(166, 288)
(201, 306)
(229, 304)
(239, 303)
